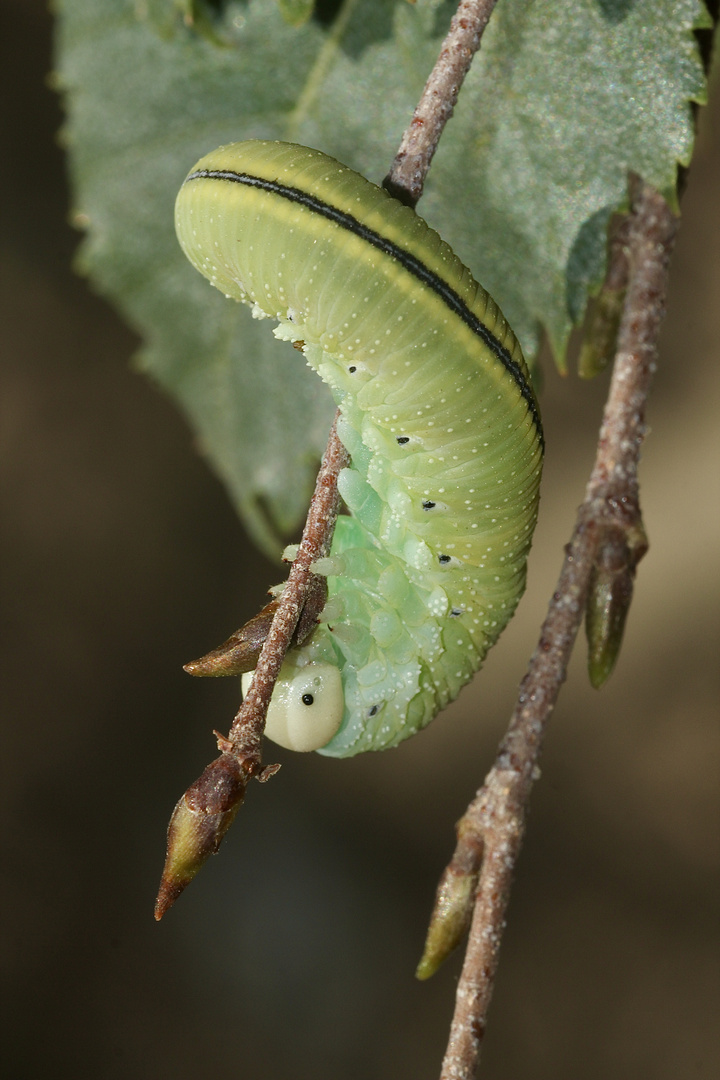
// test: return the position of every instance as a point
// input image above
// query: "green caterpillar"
(438, 415)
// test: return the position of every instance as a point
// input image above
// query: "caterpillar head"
(307, 705)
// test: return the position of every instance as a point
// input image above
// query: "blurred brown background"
(293, 953)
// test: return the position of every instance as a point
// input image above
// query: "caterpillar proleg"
(438, 415)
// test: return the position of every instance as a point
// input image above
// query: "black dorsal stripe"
(406, 259)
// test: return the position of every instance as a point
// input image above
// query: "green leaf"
(296, 12)
(142, 108)
(567, 98)
(564, 98)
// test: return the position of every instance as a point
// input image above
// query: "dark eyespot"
(456, 611)
(307, 699)
(402, 439)
(444, 558)
(427, 505)
(373, 711)
(352, 369)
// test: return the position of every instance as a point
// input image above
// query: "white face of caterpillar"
(307, 705)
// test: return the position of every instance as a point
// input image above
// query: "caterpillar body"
(438, 415)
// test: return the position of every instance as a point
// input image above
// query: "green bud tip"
(198, 825)
(450, 919)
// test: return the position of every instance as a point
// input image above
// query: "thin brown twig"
(495, 820)
(408, 171)
(244, 739)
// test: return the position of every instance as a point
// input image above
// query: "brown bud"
(197, 826)
(241, 651)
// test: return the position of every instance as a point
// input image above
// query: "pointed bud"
(197, 826)
(241, 651)
(607, 608)
(609, 598)
(450, 919)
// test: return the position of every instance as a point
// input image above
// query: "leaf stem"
(408, 171)
(245, 734)
(319, 69)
